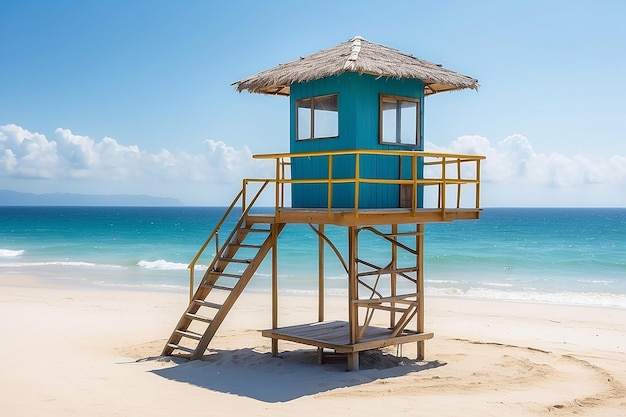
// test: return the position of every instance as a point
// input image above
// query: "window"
(317, 117)
(399, 120)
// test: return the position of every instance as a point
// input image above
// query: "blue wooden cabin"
(357, 96)
(354, 111)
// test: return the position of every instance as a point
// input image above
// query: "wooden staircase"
(225, 279)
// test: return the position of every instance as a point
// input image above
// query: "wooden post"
(320, 270)
(353, 295)
(419, 245)
(274, 286)
(320, 289)
(394, 278)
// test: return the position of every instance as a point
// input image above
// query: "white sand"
(83, 352)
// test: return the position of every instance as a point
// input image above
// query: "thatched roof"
(360, 56)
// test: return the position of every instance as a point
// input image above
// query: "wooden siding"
(358, 104)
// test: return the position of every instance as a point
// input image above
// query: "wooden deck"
(336, 335)
(348, 217)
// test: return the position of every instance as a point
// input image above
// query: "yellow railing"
(245, 208)
(435, 165)
(436, 173)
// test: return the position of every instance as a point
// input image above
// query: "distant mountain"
(14, 198)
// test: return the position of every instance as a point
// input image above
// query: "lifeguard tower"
(356, 161)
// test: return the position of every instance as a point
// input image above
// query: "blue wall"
(358, 105)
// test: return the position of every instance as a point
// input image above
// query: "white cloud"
(513, 160)
(24, 154)
(513, 173)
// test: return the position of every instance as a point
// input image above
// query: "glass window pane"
(326, 117)
(400, 121)
(408, 127)
(389, 120)
(304, 119)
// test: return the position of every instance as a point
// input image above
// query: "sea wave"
(8, 253)
(441, 281)
(497, 284)
(59, 263)
(141, 286)
(562, 297)
(162, 264)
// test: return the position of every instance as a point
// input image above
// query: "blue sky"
(136, 96)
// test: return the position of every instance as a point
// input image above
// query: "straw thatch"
(360, 56)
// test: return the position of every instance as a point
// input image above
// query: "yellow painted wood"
(419, 241)
(196, 327)
(353, 290)
(321, 274)
(274, 237)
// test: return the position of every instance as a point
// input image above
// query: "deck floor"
(345, 217)
(336, 335)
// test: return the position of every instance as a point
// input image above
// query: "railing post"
(282, 182)
(244, 184)
(458, 187)
(191, 285)
(277, 191)
(477, 183)
(357, 183)
(330, 184)
(443, 187)
(414, 175)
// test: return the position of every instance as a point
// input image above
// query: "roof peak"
(350, 64)
(359, 56)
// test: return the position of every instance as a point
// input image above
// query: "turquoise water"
(570, 256)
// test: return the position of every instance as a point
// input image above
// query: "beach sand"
(72, 351)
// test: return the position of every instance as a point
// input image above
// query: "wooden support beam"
(321, 273)
(393, 278)
(419, 245)
(353, 361)
(274, 286)
(353, 288)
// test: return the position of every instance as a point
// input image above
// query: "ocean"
(552, 255)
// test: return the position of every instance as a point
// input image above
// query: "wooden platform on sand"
(336, 335)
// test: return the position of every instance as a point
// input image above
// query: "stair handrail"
(215, 233)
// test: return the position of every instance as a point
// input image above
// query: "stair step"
(385, 271)
(183, 348)
(254, 230)
(189, 334)
(247, 245)
(198, 317)
(217, 287)
(241, 261)
(225, 274)
(208, 304)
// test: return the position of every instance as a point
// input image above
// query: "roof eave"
(285, 90)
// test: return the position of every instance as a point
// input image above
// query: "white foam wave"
(162, 265)
(143, 285)
(331, 292)
(562, 297)
(595, 281)
(59, 263)
(8, 253)
(497, 284)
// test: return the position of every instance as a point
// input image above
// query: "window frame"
(312, 99)
(418, 121)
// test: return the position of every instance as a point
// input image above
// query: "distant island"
(14, 198)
